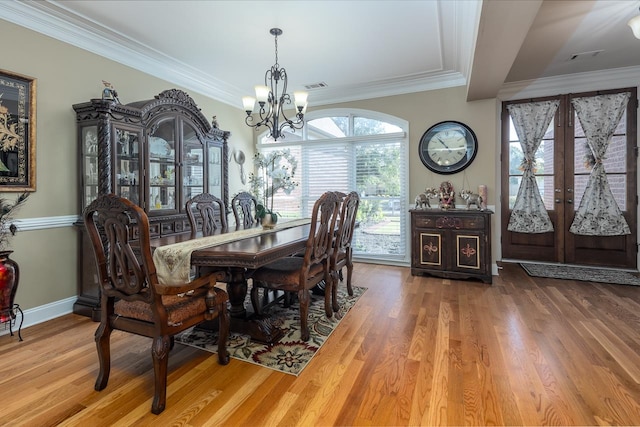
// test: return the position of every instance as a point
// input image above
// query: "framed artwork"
(17, 132)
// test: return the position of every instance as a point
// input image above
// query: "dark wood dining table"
(240, 258)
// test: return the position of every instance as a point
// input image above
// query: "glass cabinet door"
(162, 167)
(89, 143)
(193, 162)
(215, 170)
(127, 164)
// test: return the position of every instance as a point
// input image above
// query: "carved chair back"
(244, 206)
(211, 213)
(124, 272)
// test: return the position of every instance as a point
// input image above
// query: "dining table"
(237, 252)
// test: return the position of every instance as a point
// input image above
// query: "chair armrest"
(208, 281)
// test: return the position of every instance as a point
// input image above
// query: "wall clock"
(448, 147)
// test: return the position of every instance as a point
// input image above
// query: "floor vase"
(9, 277)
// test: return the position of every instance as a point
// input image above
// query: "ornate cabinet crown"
(158, 153)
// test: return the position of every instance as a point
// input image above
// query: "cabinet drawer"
(457, 222)
(181, 226)
(168, 228)
(154, 230)
(422, 221)
(461, 222)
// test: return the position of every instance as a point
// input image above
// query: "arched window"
(346, 150)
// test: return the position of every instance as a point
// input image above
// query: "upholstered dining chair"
(211, 212)
(341, 252)
(244, 206)
(133, 300)
(300, 274)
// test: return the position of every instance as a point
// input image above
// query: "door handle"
(570, 201)
(558, 201)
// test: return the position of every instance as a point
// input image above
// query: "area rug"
(586, 274)
(289, 355)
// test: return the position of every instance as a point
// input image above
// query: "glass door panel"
(215, 171)
(162, 167)
(127, 177)
(193, 164)
(89, 135)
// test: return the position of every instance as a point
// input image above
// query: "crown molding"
(54, 20)
(571, 83)
(379, 89)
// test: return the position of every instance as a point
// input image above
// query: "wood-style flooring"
(413, 351)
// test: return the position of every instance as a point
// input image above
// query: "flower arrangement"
(275, 171)
(7, 209)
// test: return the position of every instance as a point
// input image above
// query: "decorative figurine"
(482, 192)
(422, 199)
(472, 199)
(447, 196)
(109, 92)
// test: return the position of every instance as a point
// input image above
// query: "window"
(347, 150)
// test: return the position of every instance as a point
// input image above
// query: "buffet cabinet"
(157, 153)
(454, 244)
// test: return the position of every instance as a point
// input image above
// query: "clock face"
(448, 147)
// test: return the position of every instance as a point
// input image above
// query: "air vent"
(584, 55)
(316, 86)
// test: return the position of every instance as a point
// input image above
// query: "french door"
(561, 172)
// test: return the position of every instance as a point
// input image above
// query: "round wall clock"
(448, 147)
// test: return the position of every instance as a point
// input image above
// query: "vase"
(9, 276)
(269, 221)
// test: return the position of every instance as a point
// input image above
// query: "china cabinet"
(157, 153)
(454, 244)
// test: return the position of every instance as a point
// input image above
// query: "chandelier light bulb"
(262, 93)
(248, 102)
(634, 23)
(300, 99)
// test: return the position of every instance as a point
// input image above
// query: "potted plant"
(275, 171)
(9, 271)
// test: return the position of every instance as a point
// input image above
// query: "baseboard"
(40, 314)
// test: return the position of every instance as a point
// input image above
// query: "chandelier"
(272, 103)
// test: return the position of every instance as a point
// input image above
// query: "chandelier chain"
(277, 65)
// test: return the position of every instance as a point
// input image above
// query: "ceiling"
(355, 49)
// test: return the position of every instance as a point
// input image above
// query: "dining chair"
(212, 213)
(300, 274)
(132, 299)
(342, 252)
(244, 206)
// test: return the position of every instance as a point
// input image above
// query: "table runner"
(173, 262)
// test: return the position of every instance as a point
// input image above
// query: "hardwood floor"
(413, 351)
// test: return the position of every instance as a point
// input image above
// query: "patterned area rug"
(290, 355)
(586, 274)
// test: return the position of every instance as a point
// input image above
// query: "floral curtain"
(598, 213)
(531, 121)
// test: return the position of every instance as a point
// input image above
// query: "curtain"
(531, 121)
(598, 213)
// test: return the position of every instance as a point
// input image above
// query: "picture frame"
(17, 132)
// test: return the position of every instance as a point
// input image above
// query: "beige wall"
(68, 75)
